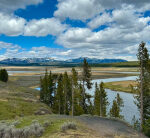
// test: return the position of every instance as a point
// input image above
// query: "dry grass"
(124, 86)
(79, 133)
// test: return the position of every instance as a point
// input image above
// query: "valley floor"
(19, 101)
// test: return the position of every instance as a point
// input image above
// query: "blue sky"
(65, 29)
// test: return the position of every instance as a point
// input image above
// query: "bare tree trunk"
(83, 96)
(141, 97)
(101, 103)
(72, 101)
(59, 106)
(65, 101)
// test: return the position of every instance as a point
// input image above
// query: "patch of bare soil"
(108, 128)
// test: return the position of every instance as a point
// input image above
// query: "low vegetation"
(68, 125)
(122, 86)
(9, 130)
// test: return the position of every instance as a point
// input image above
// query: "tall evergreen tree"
(103, 100)
(78, 101)
(41, 90)
(3, 75)
(100, 100)
(97, 100)
(86, 81)
(59, 102)
(74, 89)
(143, 87)
(67, 93)
(51, 87)
(45, 89)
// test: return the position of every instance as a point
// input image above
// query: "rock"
(42, 111)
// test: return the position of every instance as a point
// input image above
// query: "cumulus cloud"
(77, 9)
(44, 27)
(127, 27)
(15, 51)
(103, 19)
(12, 5)
(120, 39)
(86, 9)
(10, 50)
(11, 25)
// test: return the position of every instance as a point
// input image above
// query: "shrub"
(46, 124)
(8, 130)
(3, 75)
(68, 125)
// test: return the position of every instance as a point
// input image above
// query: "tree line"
(67, 94)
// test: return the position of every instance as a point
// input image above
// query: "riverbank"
(122, 86)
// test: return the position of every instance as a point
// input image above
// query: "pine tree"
(59, 102)
(143, 87)
(41, 90)
(103, 100)
(67, 93)
(97, 100)
(114, 111)
(45, 89)
(74, 89)
(3, 75)
(100, 100)
(116, 107)
(86, 74)
(78, 104)
(86, 81)
(90, 106)
(119, 102)
(51, 87)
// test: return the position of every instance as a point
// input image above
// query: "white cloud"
(120, 39)
(86, 9)
(15, 51)
(77, 9)
(126, 28)
(44, 27)
(12, 5)
(4, 45)
(74, 37)
(11, 25)
(105, 18)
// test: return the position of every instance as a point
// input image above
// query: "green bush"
(3, 75)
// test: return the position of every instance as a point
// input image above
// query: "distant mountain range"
(27, 60)
(95, 60)
(54, 61)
